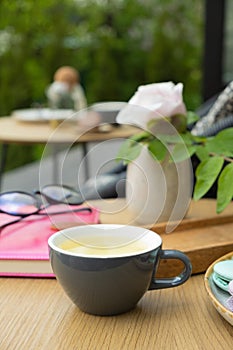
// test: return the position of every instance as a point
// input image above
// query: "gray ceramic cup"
(109, 268)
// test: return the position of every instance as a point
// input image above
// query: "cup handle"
(160, 283)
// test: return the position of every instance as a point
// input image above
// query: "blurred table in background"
(13, 131)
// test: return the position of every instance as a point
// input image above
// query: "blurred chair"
(110, 184)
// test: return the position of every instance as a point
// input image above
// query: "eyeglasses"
(23, 204)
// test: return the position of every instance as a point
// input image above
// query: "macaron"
(230, 300)
(230, 287)
(223, 274)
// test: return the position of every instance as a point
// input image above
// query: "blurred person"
(66, 90)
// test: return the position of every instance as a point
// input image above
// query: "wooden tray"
(203, 235)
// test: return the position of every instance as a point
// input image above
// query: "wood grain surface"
(36, 314)
(14, 131)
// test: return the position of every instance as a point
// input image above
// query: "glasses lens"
(17, 203)
(62, 194)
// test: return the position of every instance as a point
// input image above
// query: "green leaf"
(179, 121)
(129, 151)
(199, 139)
(225, 188)
(141, 136)
(206, 173)
(186, 138)
(181, 152)
(192, 117)
(170, 138)
(157, 149)
(202, 153)
(222, 143)
(226, 134)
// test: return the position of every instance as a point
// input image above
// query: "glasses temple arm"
(67, 211)
(55, 201)
(56, 213)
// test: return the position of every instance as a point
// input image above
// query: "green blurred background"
(116, 45)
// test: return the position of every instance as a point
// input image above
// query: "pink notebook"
(24, 245)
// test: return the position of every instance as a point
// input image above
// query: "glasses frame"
(38, 204)
(54, 201)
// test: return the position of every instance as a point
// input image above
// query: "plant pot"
(158, 192)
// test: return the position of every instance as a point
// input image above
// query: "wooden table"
(66, 133)
(36, 314)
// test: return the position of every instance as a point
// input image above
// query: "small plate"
(42, 114)
(217, 296)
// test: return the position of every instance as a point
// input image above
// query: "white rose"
(153, 101)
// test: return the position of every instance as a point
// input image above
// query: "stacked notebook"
(24, 245)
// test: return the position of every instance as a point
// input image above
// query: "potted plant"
(169, 145)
